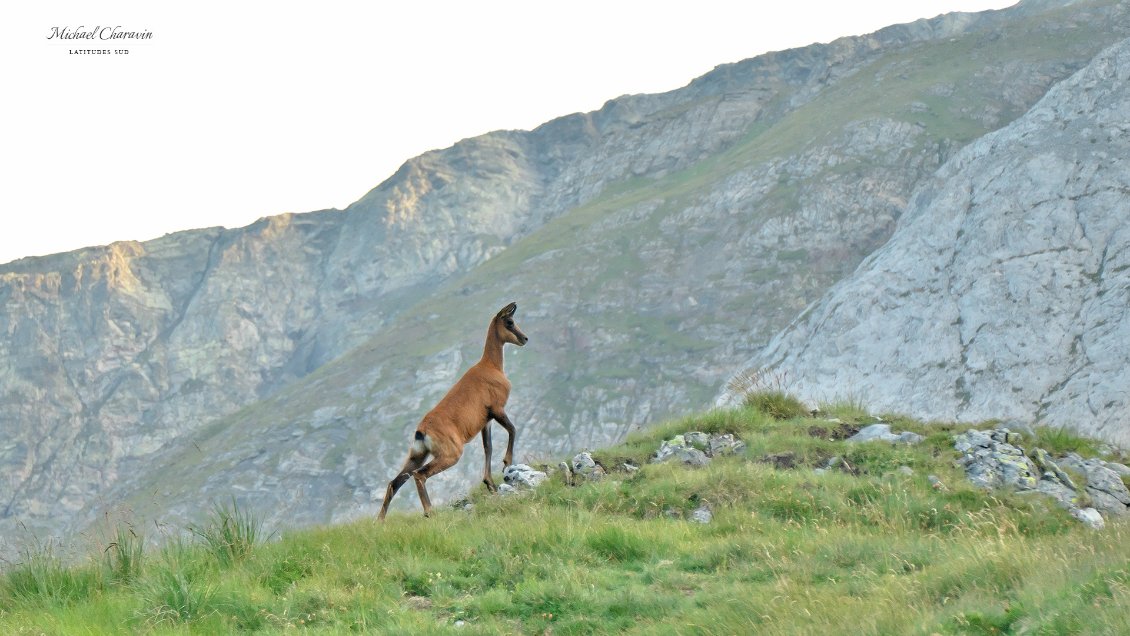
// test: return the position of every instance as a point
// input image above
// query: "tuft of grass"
(231, 533)
(41, 578)
(122, 559)
(1059, 440)
(776, 404)
(172, 595)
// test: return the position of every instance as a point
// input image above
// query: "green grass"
(230, 534)
(864, 551)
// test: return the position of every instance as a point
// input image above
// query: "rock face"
(1005, 290)
(650, 245)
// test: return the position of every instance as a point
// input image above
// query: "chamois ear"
(507, 310)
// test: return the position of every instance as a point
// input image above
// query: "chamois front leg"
(486, 465)
(500, 417)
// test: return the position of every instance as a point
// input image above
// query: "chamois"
(467, 409)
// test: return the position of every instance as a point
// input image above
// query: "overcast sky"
(238, 110)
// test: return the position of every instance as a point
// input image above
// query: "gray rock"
(1121, 469)
(585, 467)
(702, 514)
(872, 433)
(907, 437)
(995, 464)
(1090, 517)
(971, 439)
(1103, 485)
(725, 444)
(1064, 496)
(882, 432)
(522, 475)
(1051, 470)
(682, 448)
(698, 440)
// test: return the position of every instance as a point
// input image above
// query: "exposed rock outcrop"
(1005, 291)
(996, 459)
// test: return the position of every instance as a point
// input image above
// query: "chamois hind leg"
(501, 418)
(437, 465)
(416, 459)
(486, 466)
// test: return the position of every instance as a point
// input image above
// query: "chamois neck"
(492, 350)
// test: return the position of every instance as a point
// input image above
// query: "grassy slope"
(789, 551)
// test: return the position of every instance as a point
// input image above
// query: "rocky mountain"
(1005, 290)
(651, 246)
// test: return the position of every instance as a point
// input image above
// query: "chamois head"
(506, 329)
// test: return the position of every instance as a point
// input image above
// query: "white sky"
(237, 110)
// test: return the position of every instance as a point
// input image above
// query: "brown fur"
(466, 411)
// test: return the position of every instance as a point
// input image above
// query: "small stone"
(507, 489)
(1090, 517)
(882, 432)
(936, 483)
(906, 437)
(724, 444)
(702, 515)
(905, 470)
(522, 475)
(820, 471)
(871, 433)
(585, 467)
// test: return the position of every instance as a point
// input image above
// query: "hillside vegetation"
(653, 245)
(875, 547)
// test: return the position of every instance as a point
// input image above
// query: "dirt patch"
(780, 461)
(618, 464)
(842, 431)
